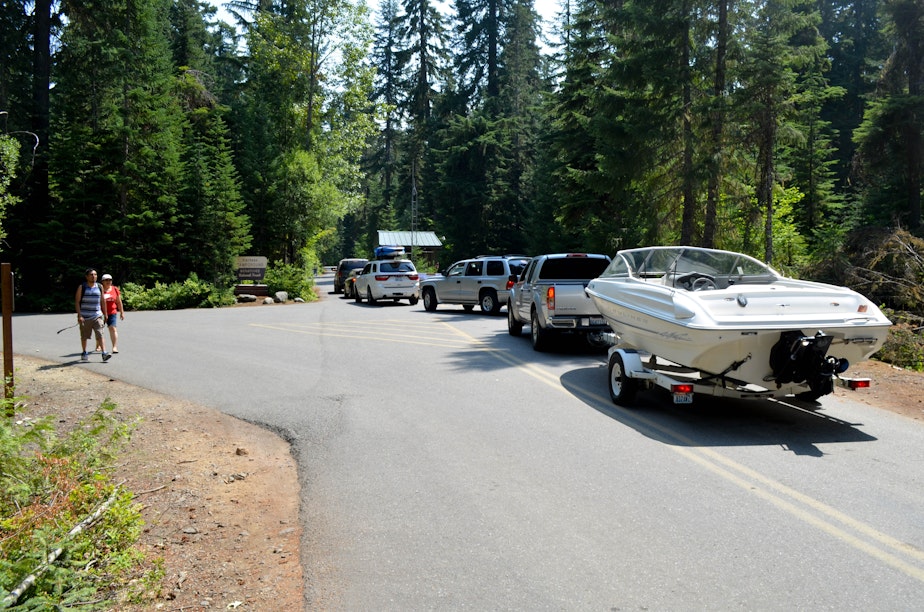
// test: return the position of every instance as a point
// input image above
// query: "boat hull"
(733, 331)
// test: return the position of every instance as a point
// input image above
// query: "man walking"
(89, 303)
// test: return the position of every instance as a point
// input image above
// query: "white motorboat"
(730, 316)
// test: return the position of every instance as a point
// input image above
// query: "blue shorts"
(112, 320)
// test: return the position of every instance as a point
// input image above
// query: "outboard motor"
(799, 358)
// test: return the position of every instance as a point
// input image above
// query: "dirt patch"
(220, 497)
(893, 389)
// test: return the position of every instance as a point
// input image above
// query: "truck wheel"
(429, 298)
(539, 336)
(489, 303)
(369, 295)
(622, 388)
(514, 327)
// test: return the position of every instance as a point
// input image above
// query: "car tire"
(429, 299)
(488, 302)
(369, 297)
(622, 388)
(357, 296)
(413, 301)
(514, 327)
(539, 336)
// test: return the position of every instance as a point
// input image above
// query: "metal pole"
(6, 287)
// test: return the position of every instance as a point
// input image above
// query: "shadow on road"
(795, 427)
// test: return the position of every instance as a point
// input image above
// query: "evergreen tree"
(26, 31)
(481, 28)
(421, 59)
(213, 228)
(782, 41)
(573, 203)
(891, 137)
(117, 143)
(857, 48)
(384, 158)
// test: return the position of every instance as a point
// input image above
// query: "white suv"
(387, 279)
(485, 281)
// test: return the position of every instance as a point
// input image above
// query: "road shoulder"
(219, 496)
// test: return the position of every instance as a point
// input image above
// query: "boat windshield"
(658, 262)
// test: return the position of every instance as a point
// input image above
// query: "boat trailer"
(630, 371)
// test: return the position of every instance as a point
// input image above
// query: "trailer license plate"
(683, 398)
(597, 321)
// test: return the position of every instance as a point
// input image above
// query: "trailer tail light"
(858, 383)
(682, 388)
(550, 298)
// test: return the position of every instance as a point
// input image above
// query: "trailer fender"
(632, 361)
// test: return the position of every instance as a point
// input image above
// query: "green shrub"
(294, 280)
(191, 293)
(904, 346)
(49, 483)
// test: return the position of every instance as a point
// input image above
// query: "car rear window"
(396, 266)
(573, 268)
(346, 266)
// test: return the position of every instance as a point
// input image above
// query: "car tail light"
(510, 284)
(381, 277)
(550, 298)
(413, 276)
(576, 255)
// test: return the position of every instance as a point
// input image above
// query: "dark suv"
(343, 270)
(484, 281)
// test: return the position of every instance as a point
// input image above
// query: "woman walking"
(114, 310)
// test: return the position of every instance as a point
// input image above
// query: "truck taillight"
(550, 298)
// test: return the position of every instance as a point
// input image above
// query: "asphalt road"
(445, 465)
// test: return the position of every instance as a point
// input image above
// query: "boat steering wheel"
(697, 281)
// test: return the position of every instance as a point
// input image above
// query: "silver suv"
(484, 281)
